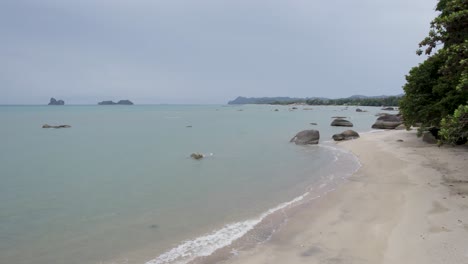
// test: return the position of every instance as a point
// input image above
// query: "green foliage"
(436, 87)
(418, 105)
(454, 129)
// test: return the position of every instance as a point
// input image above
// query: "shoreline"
(408, 203)
(246, 234)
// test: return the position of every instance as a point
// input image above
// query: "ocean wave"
(209, 243)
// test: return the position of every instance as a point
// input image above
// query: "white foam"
(209, 243)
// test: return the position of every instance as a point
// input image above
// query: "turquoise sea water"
(119, 185)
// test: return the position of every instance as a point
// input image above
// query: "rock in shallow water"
(196, 156)
(306, 137)
(60, 126)
(346, 135)
(341, 122)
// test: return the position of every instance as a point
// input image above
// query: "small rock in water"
(60, 126)
(154, 226)
(188, 126)
(276, 110)
(196, 156)
(314, 124)
(399, 140)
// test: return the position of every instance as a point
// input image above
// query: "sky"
(206, 51)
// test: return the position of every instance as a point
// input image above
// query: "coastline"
(220, 244)
(408, 203)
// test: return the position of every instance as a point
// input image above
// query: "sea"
(119, 186)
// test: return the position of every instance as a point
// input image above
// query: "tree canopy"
(438, 86)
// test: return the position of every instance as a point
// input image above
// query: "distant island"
(121, 102)
(53, 101)
(361, 100)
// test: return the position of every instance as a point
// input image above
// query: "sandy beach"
(408, 203)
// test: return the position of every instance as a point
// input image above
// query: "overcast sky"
(202, 51)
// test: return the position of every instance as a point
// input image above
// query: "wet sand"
(408, 203)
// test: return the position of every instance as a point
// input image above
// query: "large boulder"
(341, 122)
(388, 122)
(53, 101)
(306, 137)
(346, 135)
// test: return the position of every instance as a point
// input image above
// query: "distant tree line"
(385, 101)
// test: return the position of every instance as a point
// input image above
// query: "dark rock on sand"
(429, 138)
(341, 122)
(434, 131)
(56, 102)
(388, 122)
(400, 127)
(346, 135)
(306, 137)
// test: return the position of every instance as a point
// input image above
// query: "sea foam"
(209, 243)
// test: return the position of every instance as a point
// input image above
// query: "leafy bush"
(454, 129)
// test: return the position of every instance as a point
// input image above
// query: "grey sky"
(203, 51)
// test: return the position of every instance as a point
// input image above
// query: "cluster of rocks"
(312, 136)
(54, 101)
